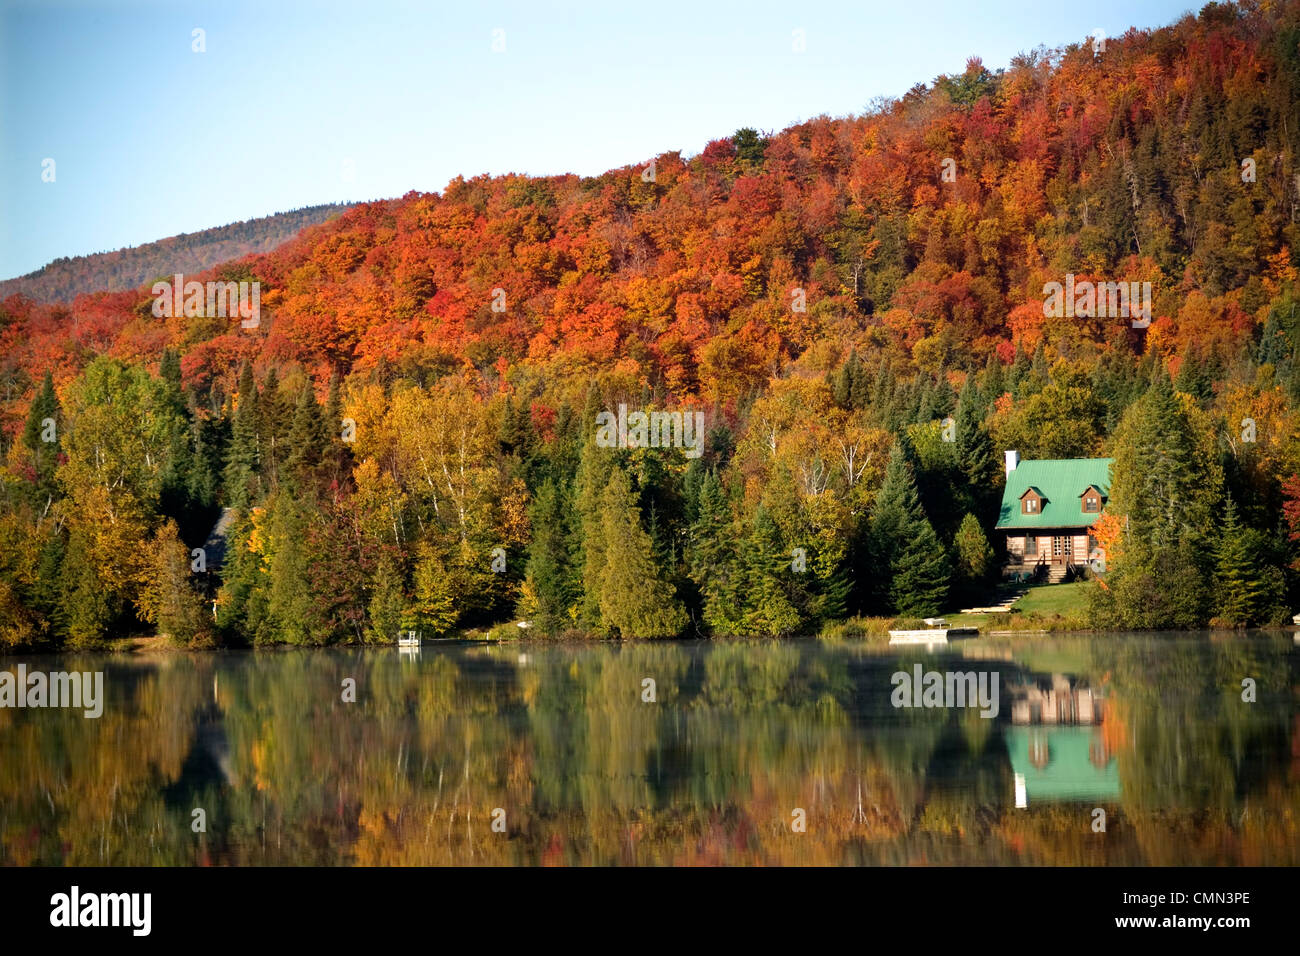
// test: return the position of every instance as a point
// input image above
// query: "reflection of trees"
(1193, 743)
(88, 792)
(740, 734)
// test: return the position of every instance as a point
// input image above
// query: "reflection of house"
(1048, 510)
(1059, 704)
(1061, 763)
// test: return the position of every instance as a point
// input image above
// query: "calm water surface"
(580, 769)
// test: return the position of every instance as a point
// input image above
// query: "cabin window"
(1091, 502)
(1031, 505)
(1031, 547)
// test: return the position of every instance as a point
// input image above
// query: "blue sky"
(298, 103)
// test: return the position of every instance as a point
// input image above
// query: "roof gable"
(1061, 483)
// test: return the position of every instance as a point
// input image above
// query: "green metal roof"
(1061, 482)
(1070, 773)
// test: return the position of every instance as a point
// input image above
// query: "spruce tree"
(912, 565)
(588, 541)
(1246, 591)
(921, 572)
(387, 608)
(549, 572)
(294, 611)
(767, 606)
(44, 421)
(303, 450)
(977, 457)
(1165, 485)
(635, 596)
(242, 615)
(242, 454)
(712, 558)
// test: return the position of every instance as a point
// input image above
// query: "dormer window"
(1031, 502)
(1092, 500)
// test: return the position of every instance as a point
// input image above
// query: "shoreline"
(155, 645)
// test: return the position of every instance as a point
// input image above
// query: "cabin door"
(1062, 549)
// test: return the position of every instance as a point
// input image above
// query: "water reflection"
(737, 736)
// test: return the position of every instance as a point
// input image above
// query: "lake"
(681, 753)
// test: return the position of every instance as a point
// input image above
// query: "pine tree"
(387, 608)
(977, 457)
(1165, 484)
(588, 542)
(767, 605)
(169, 370)
(336, 457)
(712, 558)
(292, 607)
(274, 419)
(1246, 590)
(85, 611)
(242, 454)
(303, 448)
(635, 597)
(549, 573)
(42, 437)
(912, 564)
(994, 384)
(242, 614)
(921, 574)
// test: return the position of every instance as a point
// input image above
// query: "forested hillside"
(63, 279)
(409, 435)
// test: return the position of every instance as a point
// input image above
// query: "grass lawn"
(1040, 601)
(1048, 599)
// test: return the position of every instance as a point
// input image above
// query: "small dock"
(932, 635)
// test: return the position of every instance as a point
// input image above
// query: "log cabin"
(1048, 510)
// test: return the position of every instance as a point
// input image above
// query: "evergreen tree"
(977, 457)
(169, 370)
(274, 419)
(303, 446)
(1165, 484)
(993, 385)
(549, 574)
(912, 565)
(635, 597)
(768, 609)
(387, 609)
(41, 437)
(293, 608)
(1248, 590)
(84, 612)
(242, 454)
(921, 573)
(712, 558)
(588, 543)
(242, 615)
